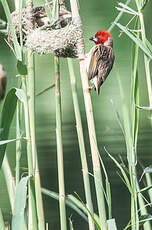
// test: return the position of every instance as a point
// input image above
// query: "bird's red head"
(100, 37)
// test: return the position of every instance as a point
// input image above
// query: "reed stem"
(91, 125)
(132, 142)
(148, 74)
(29, 3)
(32, 218)
(143, 210)
(149, 183)
(2, 224)
(18, 142)
(130, 157)
(18, 8)
(31, 109)
(81, 144)
(146, 60)
(63, 223)
(16, 4)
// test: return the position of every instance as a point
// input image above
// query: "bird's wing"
(92, 69)
(100, 65)
(101, 60)
(105, 63)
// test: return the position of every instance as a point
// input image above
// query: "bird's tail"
(96, 84)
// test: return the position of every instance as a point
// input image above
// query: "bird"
(3, 82)
(99, 61)
(41, 18)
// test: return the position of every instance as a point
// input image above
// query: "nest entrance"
(44, 36)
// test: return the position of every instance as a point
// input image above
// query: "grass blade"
(118, 17)
(111, 224)
(9, 180)
(144, 107)
(96, 222)
(48, 10)
(136, 40)
(144, 218)
(125, 11)
(12, 29)
(7, 141)
(127, 8)
(68, 201)
(20, 203)
(55, 11)
(122, 171)
(8, 111)
(71, 224)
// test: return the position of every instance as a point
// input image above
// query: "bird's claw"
(91, 87)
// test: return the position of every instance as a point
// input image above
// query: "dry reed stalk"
(81, 145)
(90, 120)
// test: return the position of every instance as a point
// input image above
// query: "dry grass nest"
(44, 35)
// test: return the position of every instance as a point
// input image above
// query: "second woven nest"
(43, 36)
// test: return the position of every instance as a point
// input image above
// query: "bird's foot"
(91, 87)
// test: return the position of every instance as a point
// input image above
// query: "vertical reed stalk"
(134, 204)
(81, 144)
(31, 109)
(32, 218)
(18, 142)
(59, 146)
(18, 8)
(29, 122)
(130, 157)
(143, 210)
(2, 224)
(146, 60)
(149, 183)
(29, 3)
(16, 4)
(147, 71)
(91, 125)
(31, 103)
(132, 144)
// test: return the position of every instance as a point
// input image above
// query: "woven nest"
(44, 36)
(63, 42)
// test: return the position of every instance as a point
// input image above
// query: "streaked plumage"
(100, 59)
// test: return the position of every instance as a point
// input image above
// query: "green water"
(95, 15)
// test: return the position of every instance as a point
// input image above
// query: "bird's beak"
(93, 39)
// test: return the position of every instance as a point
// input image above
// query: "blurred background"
(95, 15)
